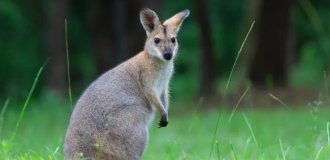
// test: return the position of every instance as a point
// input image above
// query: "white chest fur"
(164, 76)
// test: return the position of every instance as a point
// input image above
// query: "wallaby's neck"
(156, 62)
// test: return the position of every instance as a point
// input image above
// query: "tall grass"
(3, 110)
(21, 114)
(215, 134)
(237, 104)
(68, 61)
(326, 87)
(4, 107)
(251, 130)
(238, 54)
(227, 84)
(6, 145)
(284, 152)
(277, 99)
(218, 149)
(41, 136)
(328, 133)
(233, 151)
(317, 156)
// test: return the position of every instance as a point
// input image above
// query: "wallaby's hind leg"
(138, 140)
(76, 149)
(129, 145)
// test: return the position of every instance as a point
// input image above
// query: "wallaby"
(111, 118)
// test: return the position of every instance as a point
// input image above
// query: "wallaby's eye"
(156, 40)
(173, 39)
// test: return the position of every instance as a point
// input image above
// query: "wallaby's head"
(161, 37)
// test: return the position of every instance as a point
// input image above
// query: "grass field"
(251, 134)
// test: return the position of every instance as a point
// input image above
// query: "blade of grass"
(4, 107)
(55, 152)
(277, 99)
(317, 156)
(68, 62)
(325, 75)
(218, 149)
(52, 154)
(231, 72)
(237, 104)
(21, 115)
(233, 151)
(247, 142)
(286, 151)
(251, 130)
(328, 133)
(282, 150)
(3, 110)
(239, 52)
(215, 134)
(195, 117)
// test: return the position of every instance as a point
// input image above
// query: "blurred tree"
(31, 31)
(116, 30)
(55, 42)
(208, 71)
(103, 34)
(269, 66)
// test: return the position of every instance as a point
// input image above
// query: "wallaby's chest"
(163, 78)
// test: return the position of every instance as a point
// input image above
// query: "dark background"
(287, 53)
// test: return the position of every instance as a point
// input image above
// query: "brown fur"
(111, 118)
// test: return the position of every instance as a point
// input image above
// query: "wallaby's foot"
(163, 121)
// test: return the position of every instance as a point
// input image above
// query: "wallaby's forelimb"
(165, 98)
(155, 100)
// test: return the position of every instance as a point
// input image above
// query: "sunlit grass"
(40, 133)
(279, 133)
(301, 136)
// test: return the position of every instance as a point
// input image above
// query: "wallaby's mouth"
(167, 56)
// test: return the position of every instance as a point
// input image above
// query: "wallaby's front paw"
(163, 121)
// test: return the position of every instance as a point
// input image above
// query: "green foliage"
(20, 49)
(296, 134)
(41, 132)
(184, 84)
(309, 72)
(301, 134)
(23, 27)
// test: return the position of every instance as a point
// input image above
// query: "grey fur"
(111, 118)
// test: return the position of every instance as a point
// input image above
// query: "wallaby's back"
(110, 117)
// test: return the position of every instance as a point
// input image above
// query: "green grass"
(251, 134)
(255, 136)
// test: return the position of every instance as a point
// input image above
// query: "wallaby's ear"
(149, 20)
(175, 21)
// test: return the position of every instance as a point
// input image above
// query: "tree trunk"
(55, 39)
(103, 34)
(207, 73)
(269, 66)
(116, 31)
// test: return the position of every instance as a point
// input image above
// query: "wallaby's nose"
(167, 54)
